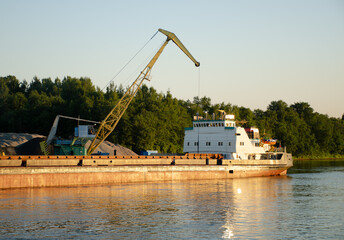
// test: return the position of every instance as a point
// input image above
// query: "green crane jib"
(112, 119)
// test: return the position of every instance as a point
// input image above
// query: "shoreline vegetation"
(157, 120)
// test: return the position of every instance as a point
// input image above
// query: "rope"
(199, 82)
(130, 60)
(139, 67)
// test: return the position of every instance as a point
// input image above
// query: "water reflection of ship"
(256, 202)
(241, 204)
(228, 208)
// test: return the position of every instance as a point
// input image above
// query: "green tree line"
(156, 120)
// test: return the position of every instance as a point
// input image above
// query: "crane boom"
(110, 122)
(174, 38)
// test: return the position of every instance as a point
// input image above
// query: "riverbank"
(320, 157)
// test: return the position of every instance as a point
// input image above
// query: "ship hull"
(44, 172)
(64, 176)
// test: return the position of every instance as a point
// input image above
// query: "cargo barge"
(215, 149)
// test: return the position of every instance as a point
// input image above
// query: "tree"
(35, 85)
(155, 120)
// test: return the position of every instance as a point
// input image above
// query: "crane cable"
(142, 64)
(130, 60)
(199, 82)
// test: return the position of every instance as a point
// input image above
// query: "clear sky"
(251, 52)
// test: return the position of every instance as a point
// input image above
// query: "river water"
(306, 204)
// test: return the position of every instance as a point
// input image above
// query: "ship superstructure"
(223, 136)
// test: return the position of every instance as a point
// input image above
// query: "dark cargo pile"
(31, 147)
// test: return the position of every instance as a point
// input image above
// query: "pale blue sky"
(251, 52)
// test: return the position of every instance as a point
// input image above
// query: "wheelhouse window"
(242, 143)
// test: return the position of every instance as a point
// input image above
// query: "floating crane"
(110, 122)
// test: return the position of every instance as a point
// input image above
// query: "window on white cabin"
(242, 143)
(229, 144)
